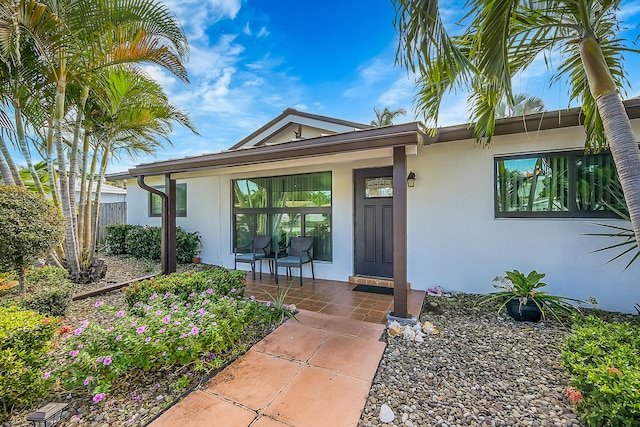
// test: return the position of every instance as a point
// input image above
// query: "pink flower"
(85, 323)
(47, 375)
(98, 397)
(73, 353)
(268, 303)
(574, 395)
(88, 380)
(195, 330)
(98, 303)
(148, 339)
(166, 319)
(119, 337)
(78, 331)
(233, 290)
(613, 370)
(141, 329)
(209, 291)
(120, 313)
(99, 359)
(161, 330)
(107, 361)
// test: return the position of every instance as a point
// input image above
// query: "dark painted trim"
(400, 233)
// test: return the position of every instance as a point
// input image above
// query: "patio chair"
(299, 252)
(255, 251)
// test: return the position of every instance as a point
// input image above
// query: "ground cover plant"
(176, 326)
(603, 360)
(25, 337)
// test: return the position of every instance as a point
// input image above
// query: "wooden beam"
(400, 233)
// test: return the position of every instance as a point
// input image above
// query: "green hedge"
(24, 342)
(143, 242)
(603, 360)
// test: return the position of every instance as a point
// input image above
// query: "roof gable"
(293, 125)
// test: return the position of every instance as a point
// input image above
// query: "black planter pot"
(529, 312)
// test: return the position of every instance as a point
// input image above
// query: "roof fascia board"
(400, 135)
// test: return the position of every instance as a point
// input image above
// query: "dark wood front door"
(374, 222)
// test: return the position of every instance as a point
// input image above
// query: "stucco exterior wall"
(455, 241)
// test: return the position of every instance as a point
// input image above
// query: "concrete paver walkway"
(315, 370)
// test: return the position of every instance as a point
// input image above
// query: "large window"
(283, 207)
(569, 184)
(155, 202)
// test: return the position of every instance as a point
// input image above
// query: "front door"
(374, 222)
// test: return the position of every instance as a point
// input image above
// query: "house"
(108, 193)
(527, 202)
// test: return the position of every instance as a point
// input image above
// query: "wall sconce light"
(411, 179)
(48, 415)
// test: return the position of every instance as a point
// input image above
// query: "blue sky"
(251, 59)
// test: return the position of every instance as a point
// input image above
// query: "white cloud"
(399, 94)
(628, 11)
(247, 29)
(198, 15)
(263, 32)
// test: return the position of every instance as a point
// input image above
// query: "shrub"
(188, 245)
(49, 291)
(116, 238)
(144, 242)
(51, 300)
(30, 227)
(24, 342)
(602, 360)
(218, 280)
(163, 332)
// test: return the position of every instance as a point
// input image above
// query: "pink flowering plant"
(201, 332)
(216, 280)
(603, 362)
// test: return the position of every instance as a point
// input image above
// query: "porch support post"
(400, 233)
(168, 236)
(169, 226)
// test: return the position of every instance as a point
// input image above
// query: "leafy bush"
(49, 292)
(218, 280)
(51, 300)
(30, 226)
(116, 238)
(24, 342)
(162, 332)
(602, 360)
(144, 242)
(188, 245)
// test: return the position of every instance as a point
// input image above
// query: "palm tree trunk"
(14, 172)
(626, 154)
(24, 147)
(96, 203)
(71, 247)
(73, 154)
(617, 127)
(5, 172)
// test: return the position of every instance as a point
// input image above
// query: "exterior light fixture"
(48, 415)
(411, 179)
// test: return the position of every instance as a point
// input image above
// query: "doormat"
(374, 289)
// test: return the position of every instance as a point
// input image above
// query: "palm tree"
(68, 43)
(385, 118)
(523, 104)
(503, 38)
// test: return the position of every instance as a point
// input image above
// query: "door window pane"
(378, 187)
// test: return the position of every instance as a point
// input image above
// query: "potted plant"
(523, 299)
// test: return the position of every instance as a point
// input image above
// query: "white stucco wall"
(453, 238)
(455, 241)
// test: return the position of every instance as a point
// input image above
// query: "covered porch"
(332, 297)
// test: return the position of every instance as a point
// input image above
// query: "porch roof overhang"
(369, 139)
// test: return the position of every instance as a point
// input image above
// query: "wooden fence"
(110, 213)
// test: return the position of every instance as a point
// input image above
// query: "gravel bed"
(479, 370)
(137, 400)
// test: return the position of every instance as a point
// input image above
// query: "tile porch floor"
(313, 371)
(332, 297)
